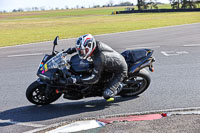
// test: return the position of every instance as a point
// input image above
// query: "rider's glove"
(73, 80)
(70, 50)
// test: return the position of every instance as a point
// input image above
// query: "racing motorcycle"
(58, 66)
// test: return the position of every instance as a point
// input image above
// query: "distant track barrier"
(156, 11)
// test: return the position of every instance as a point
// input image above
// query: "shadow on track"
(39, 113)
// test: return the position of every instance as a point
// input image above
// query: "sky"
(9, 5)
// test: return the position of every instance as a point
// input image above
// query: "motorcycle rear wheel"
(35, 93)
(136, 84)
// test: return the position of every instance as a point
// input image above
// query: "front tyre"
(35, 93)
(136, 84)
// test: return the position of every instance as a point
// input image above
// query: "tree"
(126, 4)
(188, 4)
(66, 7)
(142, 4)
(96, 6)
(14, 10)
(139, 4)
(152, 4)
(20, 10)
(184, 4)
(198, 3)
(35, 8)
(175, 4)
(111, 3)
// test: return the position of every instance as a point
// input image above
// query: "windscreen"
(59, 61)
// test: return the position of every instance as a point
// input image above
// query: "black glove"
(73, 80)
(70, 50)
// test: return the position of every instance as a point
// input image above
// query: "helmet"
(85, 46)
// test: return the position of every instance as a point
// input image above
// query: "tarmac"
(170, 121)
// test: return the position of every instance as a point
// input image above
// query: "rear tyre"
(35, 93)
(136, 84)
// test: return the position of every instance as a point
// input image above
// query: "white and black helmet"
(85, 46)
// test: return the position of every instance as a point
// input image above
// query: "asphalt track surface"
(175, 82)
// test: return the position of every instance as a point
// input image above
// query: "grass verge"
(22, 28)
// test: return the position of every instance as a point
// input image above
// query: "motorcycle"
(58, 66)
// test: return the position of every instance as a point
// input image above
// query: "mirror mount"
(55, 42)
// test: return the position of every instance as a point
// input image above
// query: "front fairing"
(41, 69)
(50, 64)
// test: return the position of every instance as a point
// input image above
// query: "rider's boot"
(109, 94)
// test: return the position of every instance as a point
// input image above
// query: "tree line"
(141, 4)
(184, 4)
(175, 4)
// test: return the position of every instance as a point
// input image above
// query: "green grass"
(28, 27)
(62, 13)
(69, 13)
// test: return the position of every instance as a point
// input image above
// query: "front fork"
(48, 89)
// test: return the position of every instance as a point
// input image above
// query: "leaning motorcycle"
(58, 66)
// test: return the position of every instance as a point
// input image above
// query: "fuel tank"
(79, 65)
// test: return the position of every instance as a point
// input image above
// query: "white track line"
(192, 45)
(20, 55)
(164, 53)
(22, 123)
(43, 128)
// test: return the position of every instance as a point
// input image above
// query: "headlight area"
(43, 77)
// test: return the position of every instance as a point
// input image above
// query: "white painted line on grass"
(21, 123)
(78, 126)
(20, 55)
(192, 45)
(143, 47)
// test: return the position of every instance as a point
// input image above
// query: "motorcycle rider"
(104, 59)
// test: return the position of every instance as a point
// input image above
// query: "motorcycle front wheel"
(35, 93)
(136, 84)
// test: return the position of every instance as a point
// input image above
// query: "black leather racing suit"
(105, 59)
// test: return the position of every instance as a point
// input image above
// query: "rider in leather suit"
(105, 59)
